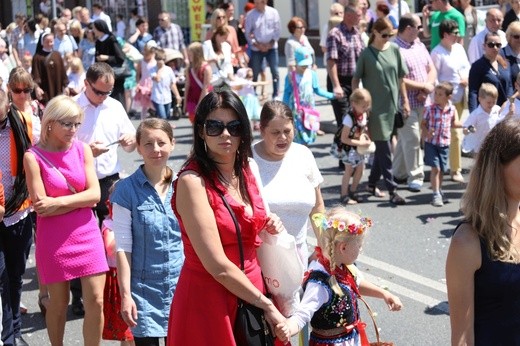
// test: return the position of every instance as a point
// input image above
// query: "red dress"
(203, 311)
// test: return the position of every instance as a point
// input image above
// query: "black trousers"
(382, 165)
(341, 106)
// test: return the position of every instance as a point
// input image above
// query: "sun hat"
(303, 56)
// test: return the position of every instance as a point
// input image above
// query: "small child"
(245, 88)
(436, 126)
(512, 106)
(333, 284)
(27, 62)
(482, 119)
(114, 327)
(164, 83)
(304, 81)
(353, 134)
(76, 77)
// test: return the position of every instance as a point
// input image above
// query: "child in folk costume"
(333, 284)
(300, 87)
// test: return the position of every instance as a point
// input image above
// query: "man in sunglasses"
(494, 19)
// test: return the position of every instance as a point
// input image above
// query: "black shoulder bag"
(250, 327)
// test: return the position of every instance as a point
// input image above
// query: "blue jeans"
(272, 59)
(15, 244)
(162, 110)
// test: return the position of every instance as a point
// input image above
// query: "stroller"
(175, 60)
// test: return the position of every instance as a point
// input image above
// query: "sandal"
(396, 199)
(347, 200)
(355, 196)
(374, 191)
(41, 305)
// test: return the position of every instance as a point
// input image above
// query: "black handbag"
(250, 328)
(121, 72)
(399, 119)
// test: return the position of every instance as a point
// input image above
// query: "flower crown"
(321, 221)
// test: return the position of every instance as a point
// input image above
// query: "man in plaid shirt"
(169, 35)
(420, 80)
(436, 126)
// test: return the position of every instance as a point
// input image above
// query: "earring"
(49, 128)
(205, 147)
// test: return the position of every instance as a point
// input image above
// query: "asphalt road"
(404, 252)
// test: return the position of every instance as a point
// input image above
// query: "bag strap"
(237, 228)
(296, 91)
(47, 161)
(196, 78)
(384, 74)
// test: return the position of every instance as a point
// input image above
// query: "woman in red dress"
(205, 301)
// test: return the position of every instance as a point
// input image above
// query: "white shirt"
(394, 9)
(224, 68)
(483, 123)
(451, 66)
(289, 188)
(120, 29)
(476, 45)
(161, 90)
(102, 15)
(104, 123)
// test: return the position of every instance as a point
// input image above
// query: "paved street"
(405, 251)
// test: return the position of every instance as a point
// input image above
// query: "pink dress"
(70, 245)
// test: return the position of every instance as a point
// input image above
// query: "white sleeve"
(314, 297)
(36, 128)
(122, 227)
(315, 177)
(472, 118)
(473, 50)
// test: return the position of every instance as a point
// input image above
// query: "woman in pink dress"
(205, 302)
(69, 243)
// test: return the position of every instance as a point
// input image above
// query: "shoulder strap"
(47, 161)
(296, 91)
(197, 80)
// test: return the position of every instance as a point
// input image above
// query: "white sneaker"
(437, 200)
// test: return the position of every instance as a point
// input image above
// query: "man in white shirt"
(97, 13)
(105, 126)
(494, 19)
(63, 42)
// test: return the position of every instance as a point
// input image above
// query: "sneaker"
(444, 198)
(437, 200)
(414, 187)
(457, 177)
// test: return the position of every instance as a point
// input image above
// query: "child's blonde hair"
(361, 96)
(488, 90)
(77, 65)
(336, 226)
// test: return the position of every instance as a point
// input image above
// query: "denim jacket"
(157, 252)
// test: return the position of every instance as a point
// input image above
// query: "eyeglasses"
(216, 127)
(456, 33)
(299, 27)
(19, 91)
(221, 17)
(386, 35)
(516, 37)
(99, 92)
(494, 44)
(69, 125)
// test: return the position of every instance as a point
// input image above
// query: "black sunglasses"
(386, 35)
(216, 127)
(99, 92)
(494, 44)
(19, 91)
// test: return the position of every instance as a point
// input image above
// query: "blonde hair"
(217, 13)
(197, 55)
(361, 95)
(488, 90)
(59, 108)
(76, 63)
(332, 235)
(485, 205)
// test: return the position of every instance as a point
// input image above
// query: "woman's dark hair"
(500, 59)
(31, 24)
(383, 8)
(447, 27)
(221, 100)
(102, 26)
(291, 26)
(272, 109)
(380, 25)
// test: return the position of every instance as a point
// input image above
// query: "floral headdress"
(321, 221)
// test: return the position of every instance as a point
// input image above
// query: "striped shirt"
(344, 46)
(171, 37)
(440, 121)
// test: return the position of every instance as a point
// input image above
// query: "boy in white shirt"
(482, 119)
(512, 106)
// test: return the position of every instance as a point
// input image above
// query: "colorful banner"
(197, 11)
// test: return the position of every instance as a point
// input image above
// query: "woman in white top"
(217, 52)
(297, 39)
(289, 174)
(452, 65)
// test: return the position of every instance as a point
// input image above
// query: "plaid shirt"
(345, 47)
(417, 60)
(439, 120)
(171, 37)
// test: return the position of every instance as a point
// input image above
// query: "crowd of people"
(143, 255)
